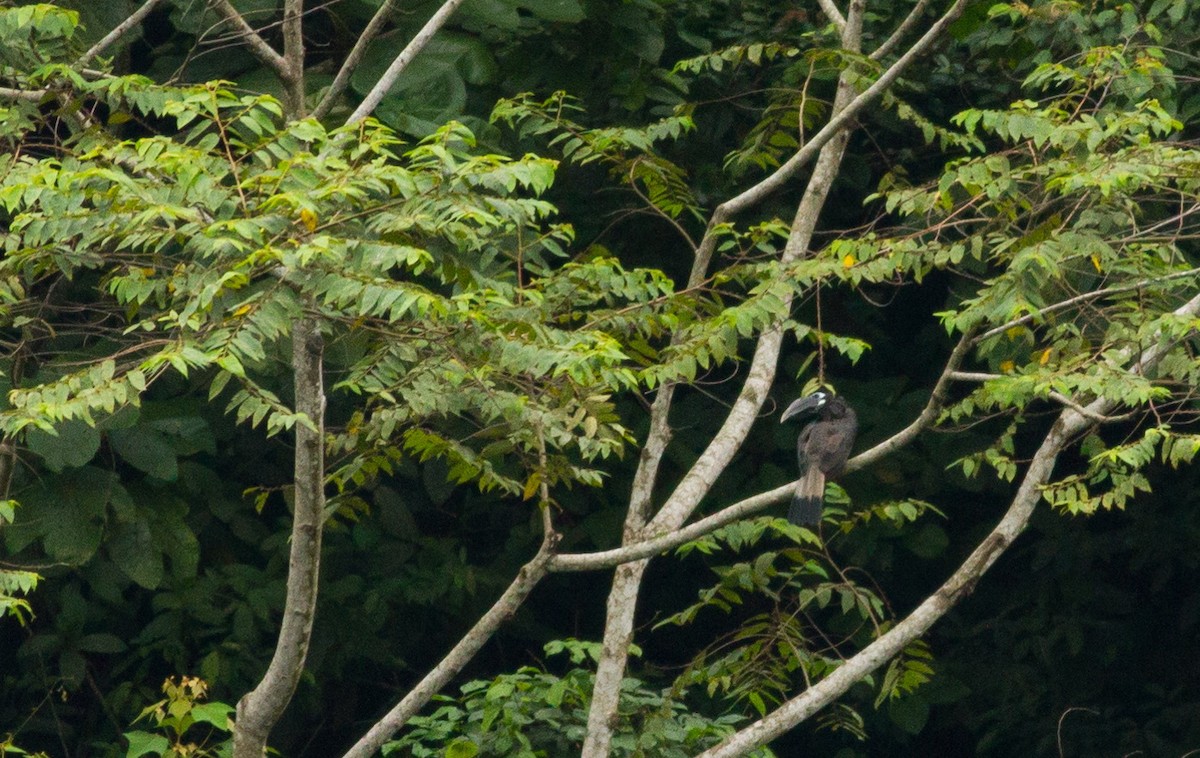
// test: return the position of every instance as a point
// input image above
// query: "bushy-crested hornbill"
(822, 449)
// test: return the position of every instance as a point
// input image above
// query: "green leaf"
(147, 450)
(462, 748)
(216, 714)
(145, 743)
(560, 11)
(68, 512)
(101, 643)
(134, 551)
(74, 444)
(909, 713)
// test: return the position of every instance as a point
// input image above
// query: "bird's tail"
(805, 510)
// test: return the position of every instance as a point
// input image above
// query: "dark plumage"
(822, 450)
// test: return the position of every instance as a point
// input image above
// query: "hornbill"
(822, 449)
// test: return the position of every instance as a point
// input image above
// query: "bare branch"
(258, 46)
(119, 31)
(35, 95)
(649, 548)
(622, 596)
(342, 78)
(917, 623)
(667, 540)
(974, 376)
(1084, 297)
(1069, 424)
(839, 120)
(418, 43)
(293, 55)
(462, 653)
(937, 400)
(761, 375)
(898, 34)
(833, 14)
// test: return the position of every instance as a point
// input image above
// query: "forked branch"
(1066, 428)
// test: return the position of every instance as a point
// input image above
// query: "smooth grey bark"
(342, 79)
(622, 599)
(827, 146)
(259, 710)
(401, 61)
(117, 32)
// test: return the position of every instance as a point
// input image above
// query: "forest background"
(406, 377)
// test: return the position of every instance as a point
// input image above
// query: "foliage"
(175, 716)
(160, 240)
(14, 583)
(817, 612)
(533, 712)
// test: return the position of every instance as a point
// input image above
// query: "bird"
(822, 450)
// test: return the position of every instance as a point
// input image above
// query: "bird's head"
(807, 404)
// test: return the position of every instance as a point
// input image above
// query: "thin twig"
(1084, 297)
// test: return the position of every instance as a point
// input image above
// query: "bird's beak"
(803, 405)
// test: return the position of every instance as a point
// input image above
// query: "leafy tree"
(417, 310)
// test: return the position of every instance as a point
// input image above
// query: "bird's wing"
(803, 449)
(828, 446)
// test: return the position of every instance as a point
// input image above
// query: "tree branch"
(117, 32)
(1069, 424)
(258, 46)
(841, 119)
(648, 548)
(1058, 397)
(260, 709)
(1084, 297)
(667, 540)
(918, 622)
(761, 376)
(836, 123)
(35, 95)
(461, 654)
(418, 43)
(937, 401)
(622, 597)
(293, 56)
(833, 14)
(898, 34)
(342, 78)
